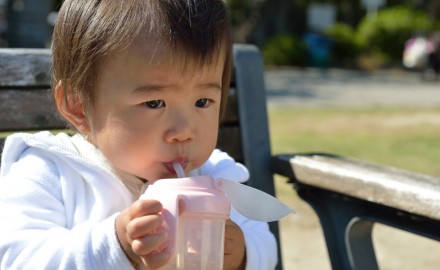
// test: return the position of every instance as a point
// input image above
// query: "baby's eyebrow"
(150, 88)
(211, 85)
(157, 88)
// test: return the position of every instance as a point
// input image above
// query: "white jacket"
(59, 200)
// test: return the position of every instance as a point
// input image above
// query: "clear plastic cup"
(195, 213)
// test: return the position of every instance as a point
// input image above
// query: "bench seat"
(411, 192)
(350, 196)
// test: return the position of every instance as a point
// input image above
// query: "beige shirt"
(135, 185)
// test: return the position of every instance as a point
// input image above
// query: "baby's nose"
(180, 130)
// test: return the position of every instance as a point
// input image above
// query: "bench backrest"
(26, 105)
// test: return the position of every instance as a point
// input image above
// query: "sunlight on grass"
(407, 138)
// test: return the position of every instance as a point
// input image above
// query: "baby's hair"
(88, 31)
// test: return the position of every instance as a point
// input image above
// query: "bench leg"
(348, 237)
(359, 243)
(347, 224)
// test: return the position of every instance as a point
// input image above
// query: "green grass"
(408, 138)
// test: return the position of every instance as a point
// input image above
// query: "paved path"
(336, 87)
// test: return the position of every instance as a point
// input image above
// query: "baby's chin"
(168, 173)
(153, 179)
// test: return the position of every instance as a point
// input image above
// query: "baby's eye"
(202, 103)
(155, 104)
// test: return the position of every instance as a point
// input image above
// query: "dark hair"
(88, 31)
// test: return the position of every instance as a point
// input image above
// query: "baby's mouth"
(170, 166)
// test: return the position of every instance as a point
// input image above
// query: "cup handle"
(172, 205)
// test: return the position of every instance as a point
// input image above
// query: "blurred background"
(364, 34)
(353, 77)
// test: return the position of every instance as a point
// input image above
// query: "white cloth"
(59, 199)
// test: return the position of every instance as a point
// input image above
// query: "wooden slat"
(25, 67)
(28, 109)
(22, 109)
(397, 188)
(26, 103)
(33, 109)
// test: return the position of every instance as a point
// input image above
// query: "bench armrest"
(396, 188)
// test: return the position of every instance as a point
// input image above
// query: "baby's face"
(149, 113)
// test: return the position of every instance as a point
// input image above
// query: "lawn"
(408, 138)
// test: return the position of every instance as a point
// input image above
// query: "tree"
(254, 21)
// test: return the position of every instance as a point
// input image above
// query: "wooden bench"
(349, 196)
(26, 105)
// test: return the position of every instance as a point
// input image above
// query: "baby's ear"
(71, 107)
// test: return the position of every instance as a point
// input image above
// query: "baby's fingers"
(144, 207)
(155, 260)
(145, 225)
(149, 244)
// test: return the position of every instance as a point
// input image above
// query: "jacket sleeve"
(261, 248)
(35, 231)
(221, 165)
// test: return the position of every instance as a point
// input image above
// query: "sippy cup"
(195, 212)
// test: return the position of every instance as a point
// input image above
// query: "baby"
(143, 83)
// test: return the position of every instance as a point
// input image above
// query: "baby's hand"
(138, 230)
(235, 251)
